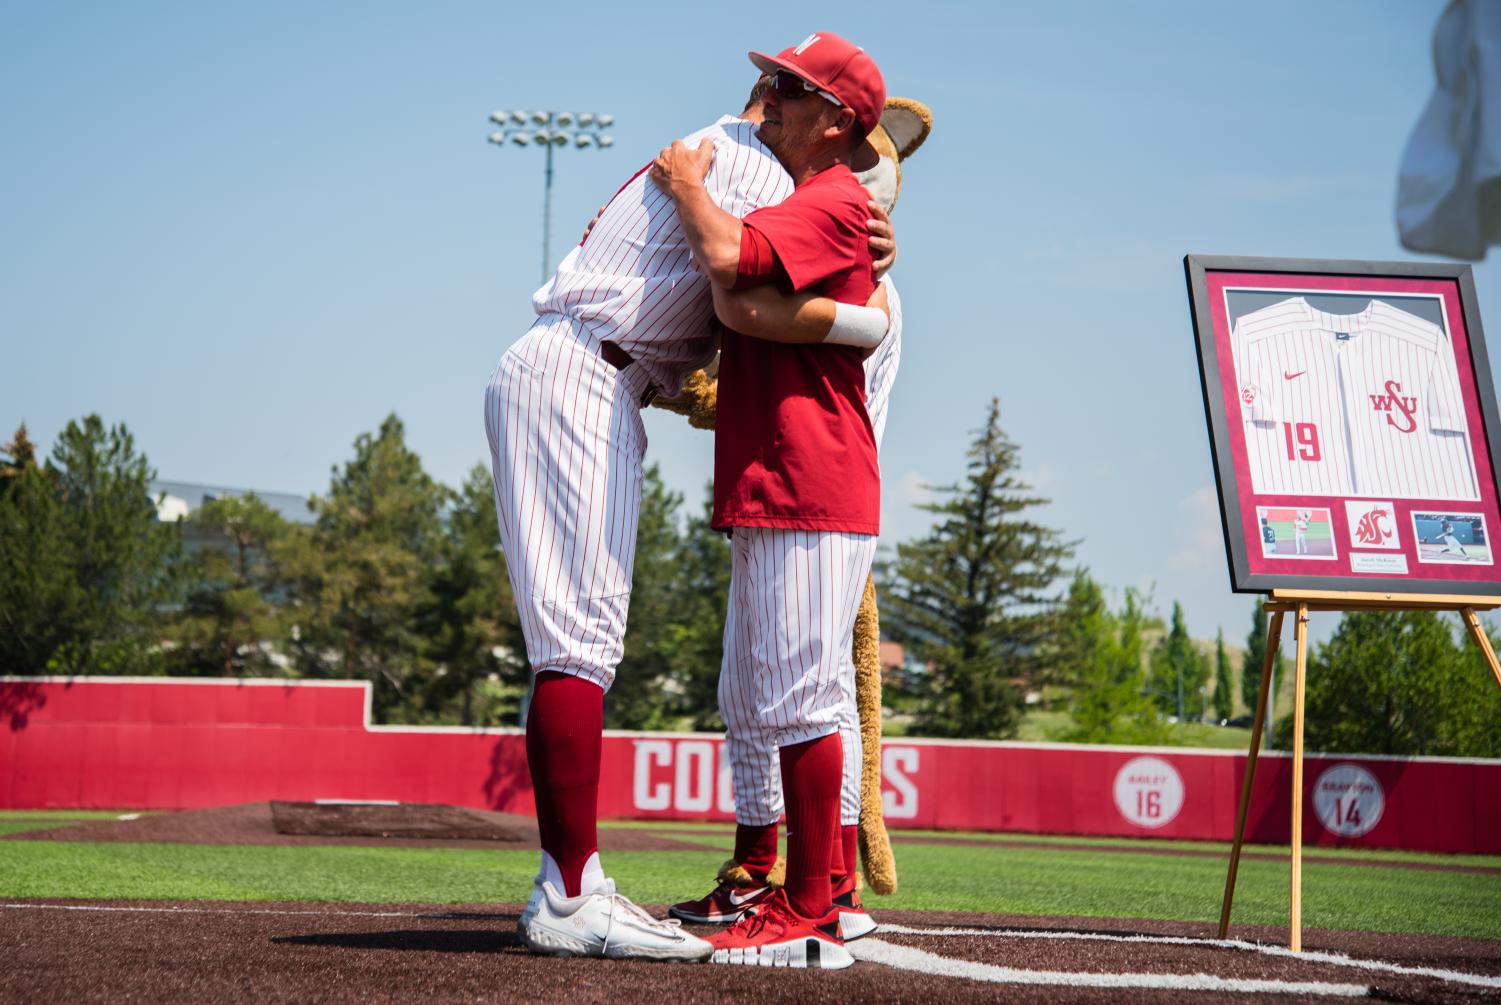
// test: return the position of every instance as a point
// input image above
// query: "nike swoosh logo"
(1290, 376)
(737, 900)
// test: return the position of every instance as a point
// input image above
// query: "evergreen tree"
(364, 573)
(647, 694)
(473, 631)
(1224, 701)
(230, 621)
(975, 597)
(1401, 683)
(703, 595)
(38, 595)
(85, 568)
(15, 457)
(1179, 672)
(1252, 662)
(1109, 704)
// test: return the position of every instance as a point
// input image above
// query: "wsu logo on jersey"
(1248, 395)
(1372, 524)
(1393, 402)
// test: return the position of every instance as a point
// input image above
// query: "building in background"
(177, 501)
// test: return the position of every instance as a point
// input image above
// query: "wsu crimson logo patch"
(1372, 525)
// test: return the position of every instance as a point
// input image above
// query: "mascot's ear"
(908, 123)
(905, 124)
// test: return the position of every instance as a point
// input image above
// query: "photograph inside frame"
(1346, 394)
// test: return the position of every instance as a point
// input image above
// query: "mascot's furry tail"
(875, 845)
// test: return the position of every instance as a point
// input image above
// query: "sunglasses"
(791, 87)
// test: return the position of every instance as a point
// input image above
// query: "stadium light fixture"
(589, 134)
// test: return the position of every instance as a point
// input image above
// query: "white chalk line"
(1312, 956)
(907, 958)
(1307, 955)
(212, 910)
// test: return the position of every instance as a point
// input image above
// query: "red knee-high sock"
(849, 850)
(811, 774)
(563, 732)
(756, 849)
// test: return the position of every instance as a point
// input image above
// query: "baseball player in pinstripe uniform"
(747, 880)
(626, 316)
(796, 478)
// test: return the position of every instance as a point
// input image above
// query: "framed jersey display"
(1353, 423)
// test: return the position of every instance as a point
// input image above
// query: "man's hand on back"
(677, 166)
(882, 239)
(589, 228)
(713, 234)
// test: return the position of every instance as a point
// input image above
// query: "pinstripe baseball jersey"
(1350, 404)
(881, 366)
(634, 281)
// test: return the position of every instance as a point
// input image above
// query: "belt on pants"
(617, 357)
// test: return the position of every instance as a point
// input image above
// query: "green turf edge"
(986, 879)
(1013, 837)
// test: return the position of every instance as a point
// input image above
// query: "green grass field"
(997, 874)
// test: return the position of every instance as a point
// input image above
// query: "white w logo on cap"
(805, 43)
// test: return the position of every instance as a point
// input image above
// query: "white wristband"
(859, 326)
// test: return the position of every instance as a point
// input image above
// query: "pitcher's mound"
(434, 821)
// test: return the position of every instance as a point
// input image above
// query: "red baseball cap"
(836, 65)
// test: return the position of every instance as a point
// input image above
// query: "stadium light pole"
(582, 130)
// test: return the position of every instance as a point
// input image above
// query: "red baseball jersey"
(793, 444)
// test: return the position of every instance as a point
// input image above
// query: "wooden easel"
(1300, 603)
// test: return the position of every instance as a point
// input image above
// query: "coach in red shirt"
(796, 480)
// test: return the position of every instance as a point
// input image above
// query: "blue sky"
(251, 231)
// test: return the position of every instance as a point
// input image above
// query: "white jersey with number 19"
(1350, 404)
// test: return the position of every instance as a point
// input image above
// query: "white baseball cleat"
(602, 923)
(854, 923)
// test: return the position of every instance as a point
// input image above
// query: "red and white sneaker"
(854, 923)
(773, 936)
(725, 905)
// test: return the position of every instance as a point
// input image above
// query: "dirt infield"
(383, 827)
(100, 950)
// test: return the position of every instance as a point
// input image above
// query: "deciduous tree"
(1109, 702)
(1399, 682)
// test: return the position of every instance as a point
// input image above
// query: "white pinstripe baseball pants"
(787, 674)
(566, 449)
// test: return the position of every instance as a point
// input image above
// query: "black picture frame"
(1234, 494)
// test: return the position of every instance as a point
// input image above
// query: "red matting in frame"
(1259, 563)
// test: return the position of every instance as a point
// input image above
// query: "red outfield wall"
(159, 743)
